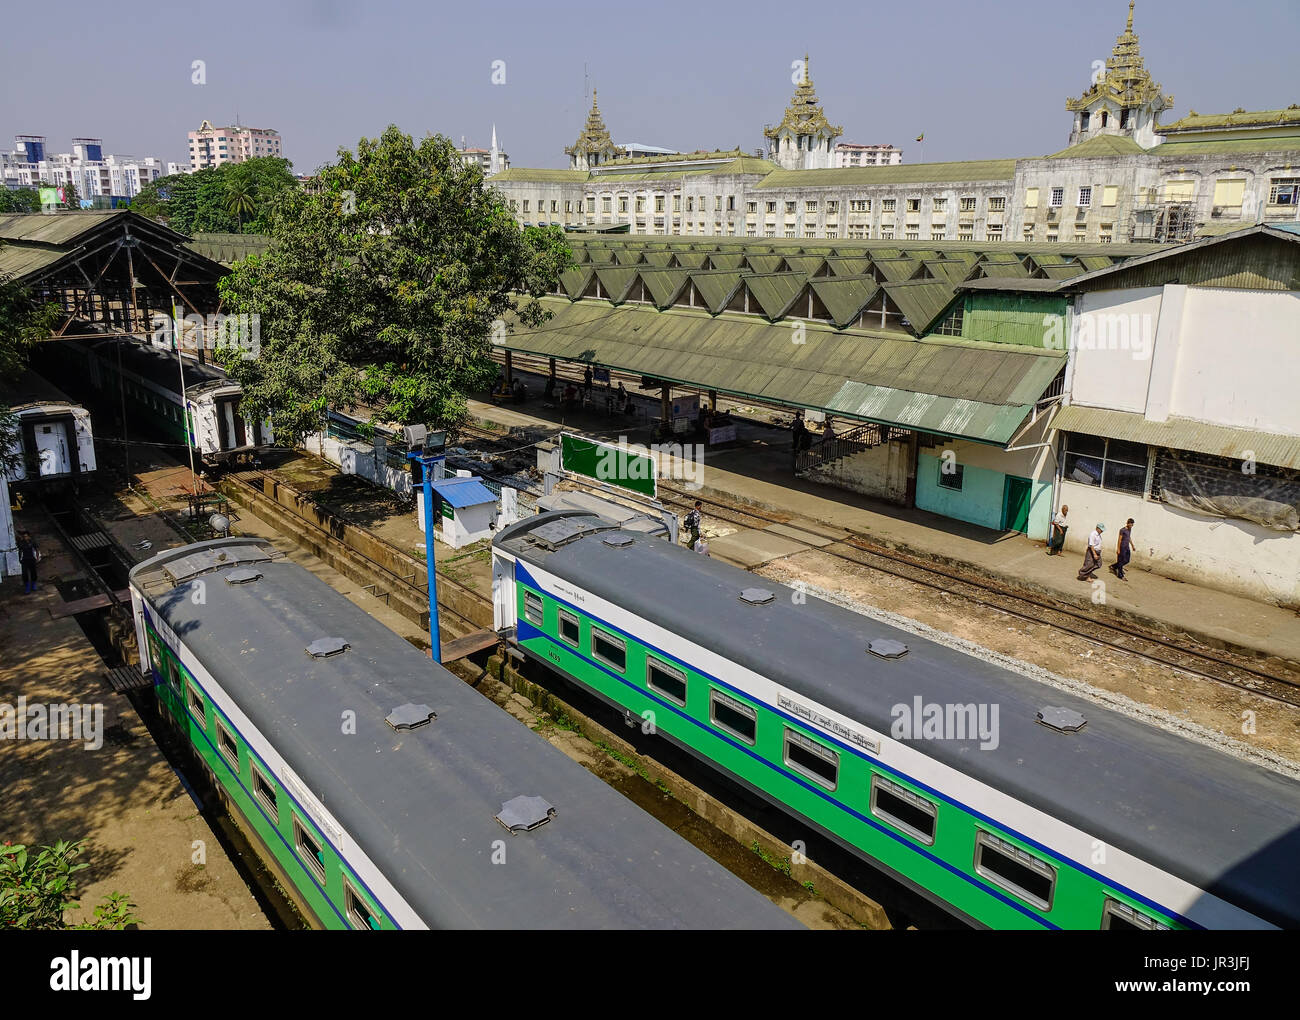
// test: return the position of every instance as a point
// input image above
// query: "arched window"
(1105, 116)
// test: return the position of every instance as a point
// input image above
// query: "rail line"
(1185, 659)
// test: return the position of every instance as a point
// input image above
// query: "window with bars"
(968, 203)
(1112, 464)
(1085, 196)
(940, 204)
(1058, 196)
(886, 204)
(1284, 191)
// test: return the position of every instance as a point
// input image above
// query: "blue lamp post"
(426, 449)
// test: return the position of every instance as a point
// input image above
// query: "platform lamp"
(427, 448)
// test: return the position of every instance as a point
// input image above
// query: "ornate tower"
(803, 139)
(1123, 99)
(594, 146)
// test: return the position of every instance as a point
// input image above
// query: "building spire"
(807, 70)
(1129, 28)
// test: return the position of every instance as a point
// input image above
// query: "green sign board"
(447, 510)
(628, 467)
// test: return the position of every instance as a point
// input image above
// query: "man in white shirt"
(1056, 540)
(1092, 555)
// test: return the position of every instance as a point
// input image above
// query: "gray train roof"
(1226, 825)
(423, 803)
(158, 366)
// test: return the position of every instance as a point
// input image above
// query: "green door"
(1015, 504)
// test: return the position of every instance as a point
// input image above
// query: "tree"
(384, 286)
(239, 200)
(20, 200)
(71, 197)
(37, 888)
(200, 202)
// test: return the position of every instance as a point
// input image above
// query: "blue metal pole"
(426, 468)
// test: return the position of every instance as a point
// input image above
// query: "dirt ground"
(143, 831)
(1215, 706)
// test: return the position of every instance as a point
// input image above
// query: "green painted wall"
(1013, 318)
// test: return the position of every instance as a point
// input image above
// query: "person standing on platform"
(586, 380)
(1056, 541)
(1123, 550)
(693, 522)
(28, 556)
(1092, 555)
(799, 437)
(828, 430)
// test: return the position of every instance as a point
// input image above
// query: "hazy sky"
(982, 80)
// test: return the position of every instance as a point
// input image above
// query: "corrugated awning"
(462, 492)
(1182, 434)
(949, 387)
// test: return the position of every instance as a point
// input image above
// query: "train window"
(569, 628)
(308, 849)
(608, 649)
(173, 675)
(265, 791)
(1015, 870)
(733, 716)
(197, 706)
(533, 608)
(903, 809)
(811, 759)
(226, 741)
(667, 680)
(358, 911)
(1117, 916)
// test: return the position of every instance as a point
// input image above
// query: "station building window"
(950, 475)
(1107, 463)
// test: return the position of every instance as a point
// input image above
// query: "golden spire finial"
(807, 73)
(1130, 16)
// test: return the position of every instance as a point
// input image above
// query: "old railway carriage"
(150, 386)
(1085, 818)
(55, 442)
(384, 791)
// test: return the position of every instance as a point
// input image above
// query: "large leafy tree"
(383, 287)
(20, 200)
(201, 202)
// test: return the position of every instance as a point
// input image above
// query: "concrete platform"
(756, 470)
(751, 547)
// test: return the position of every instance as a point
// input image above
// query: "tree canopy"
(200, 203)
(20, 200)
(383, 285)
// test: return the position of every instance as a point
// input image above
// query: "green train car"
(1061, 814)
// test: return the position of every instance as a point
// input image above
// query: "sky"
(981, 80)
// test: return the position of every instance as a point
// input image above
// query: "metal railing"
(825, 452)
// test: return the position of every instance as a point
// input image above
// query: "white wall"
(358, 458)
(1112, 339)
(1239, 359)
(1231, 555)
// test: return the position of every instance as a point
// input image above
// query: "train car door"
(52, 449)
(503, 593)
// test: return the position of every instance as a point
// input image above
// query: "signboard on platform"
(627, 467)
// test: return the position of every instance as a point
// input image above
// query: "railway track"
(254, 481)
(1215, 665)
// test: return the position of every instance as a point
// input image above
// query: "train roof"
(33, 390)
(158, 365)
(1224, 824)
(422, 803)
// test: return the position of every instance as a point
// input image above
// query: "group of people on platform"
(803, 437)
(1092, 552)
(503, 392)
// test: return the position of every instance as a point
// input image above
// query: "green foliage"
(21, 200)
(231, 198)
(382, 286)
(36, 890)
(22, 323)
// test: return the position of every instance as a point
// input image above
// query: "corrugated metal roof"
(58, 228)
(1181, 434)
(901, 173)
(462, 492)
(17, 260)
(664, 284)
(229, 248)
(951, 387)
(1100, 146)
(845, 296)
(1206, 147)
(775, 292)
(922, 301)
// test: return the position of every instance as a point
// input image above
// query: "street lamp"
(426, 449)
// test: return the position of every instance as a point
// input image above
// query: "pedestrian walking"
(1092, 555)
(692, 522)
(1123, 550)
(1056, 540)
(28, 556)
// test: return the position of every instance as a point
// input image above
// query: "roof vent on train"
(1067, 720)
(617, 540)
(523, 814)
(887, 648)
(410, 716)
(242, 575)
(326, 646)
(757, 596)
